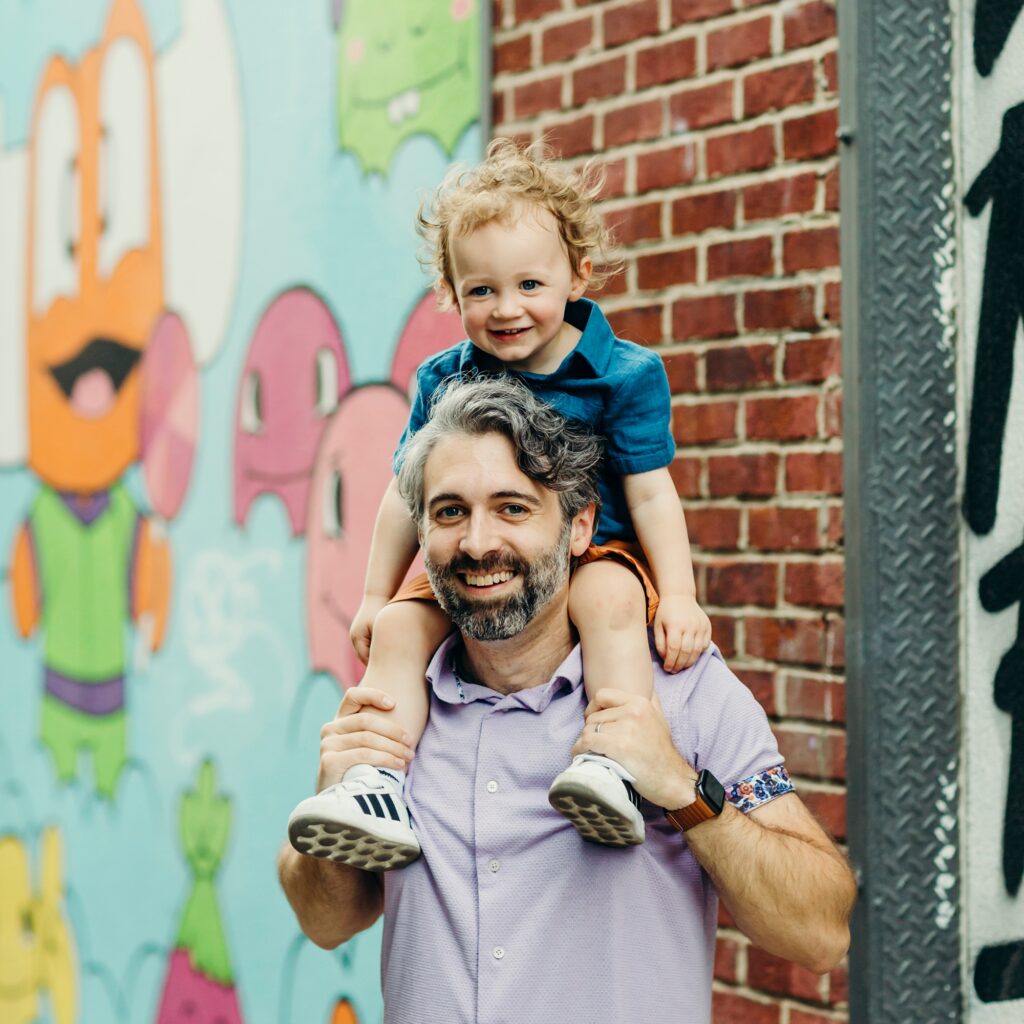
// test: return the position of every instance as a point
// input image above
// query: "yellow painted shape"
(37, 953)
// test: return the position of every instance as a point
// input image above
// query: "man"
(507, 916)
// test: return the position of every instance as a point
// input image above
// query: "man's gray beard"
(503, 617)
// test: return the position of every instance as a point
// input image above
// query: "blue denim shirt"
(618, 389)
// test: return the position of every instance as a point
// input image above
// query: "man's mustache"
(486, 566)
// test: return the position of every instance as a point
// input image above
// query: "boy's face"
(512, 281)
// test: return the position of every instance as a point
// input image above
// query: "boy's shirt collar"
(594, 347)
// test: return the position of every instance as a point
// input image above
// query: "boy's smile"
(512, 281)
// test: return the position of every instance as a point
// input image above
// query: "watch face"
(712, 791)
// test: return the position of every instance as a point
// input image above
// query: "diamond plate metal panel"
(901, 511)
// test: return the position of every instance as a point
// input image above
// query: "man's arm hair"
(782, 879)
(332, 901)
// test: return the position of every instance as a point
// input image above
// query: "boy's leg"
(363, 820)
(405, 636)
(608, 606)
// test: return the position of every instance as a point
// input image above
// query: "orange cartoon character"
(110, 372)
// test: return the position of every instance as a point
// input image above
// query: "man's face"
(495, 543)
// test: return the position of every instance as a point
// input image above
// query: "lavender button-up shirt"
(509, 917)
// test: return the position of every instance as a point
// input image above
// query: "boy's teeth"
(489, 580)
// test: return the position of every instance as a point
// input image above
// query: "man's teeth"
(489, 580)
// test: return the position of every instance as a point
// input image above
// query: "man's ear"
(581, 278)
(582, 531)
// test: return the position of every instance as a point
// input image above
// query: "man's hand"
(682, 631)
(358, 736)
(362, 626)
(633, 731)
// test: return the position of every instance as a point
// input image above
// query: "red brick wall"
(715, 121)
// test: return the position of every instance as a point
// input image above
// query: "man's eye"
(529, 285)
(516, 510)
(450, 512)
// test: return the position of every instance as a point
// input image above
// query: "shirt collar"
(594, 347)
(450, 689)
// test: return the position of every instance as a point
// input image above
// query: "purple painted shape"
(90, 698)
(86, 508)
(292, 380)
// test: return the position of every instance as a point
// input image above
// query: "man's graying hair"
(550, 450)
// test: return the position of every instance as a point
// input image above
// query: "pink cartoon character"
(352, 471)
(294, 375)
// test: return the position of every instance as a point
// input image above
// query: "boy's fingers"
(659, 639)
(364, 696)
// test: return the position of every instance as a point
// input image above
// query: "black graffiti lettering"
(1002, 306)
(999, 973)
(993, 22)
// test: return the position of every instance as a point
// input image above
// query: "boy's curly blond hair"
(511, 175)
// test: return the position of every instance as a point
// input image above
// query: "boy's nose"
(508, 306)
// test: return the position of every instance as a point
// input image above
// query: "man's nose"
(479, 538)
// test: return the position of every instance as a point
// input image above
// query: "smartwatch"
(709, 803)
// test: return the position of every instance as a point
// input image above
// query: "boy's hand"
(681, 631)
(362, 626)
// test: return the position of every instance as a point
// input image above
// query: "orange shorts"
(629, 554)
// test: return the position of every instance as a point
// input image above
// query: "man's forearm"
(791, 894)
(332, 902)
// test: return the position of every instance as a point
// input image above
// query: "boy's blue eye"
(530, 285)
(480, 289)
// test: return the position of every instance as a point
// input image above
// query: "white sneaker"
(599, 801)
(361, 821)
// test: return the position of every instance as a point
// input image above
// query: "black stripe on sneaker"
(634, 796)
(363, 805)
(375, 804)
(390, 805)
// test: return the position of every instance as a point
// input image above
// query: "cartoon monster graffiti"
(37, 951)
(294, 374)
(353, 469)
(103, 266)
(344, 1013)
(200, 986)
(405, 68)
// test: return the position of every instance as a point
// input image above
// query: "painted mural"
(211, 313)
(993, 506)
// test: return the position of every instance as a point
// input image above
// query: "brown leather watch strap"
(686, 817)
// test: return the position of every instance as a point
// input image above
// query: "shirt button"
(498, 952)
(495, 866)
(492, 786)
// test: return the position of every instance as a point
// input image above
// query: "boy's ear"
(448, 297)
(581, 278)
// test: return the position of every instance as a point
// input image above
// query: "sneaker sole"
(349, 844)
(596, 822)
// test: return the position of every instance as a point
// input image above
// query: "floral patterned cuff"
(749, 793)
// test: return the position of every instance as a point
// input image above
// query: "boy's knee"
(608, 594)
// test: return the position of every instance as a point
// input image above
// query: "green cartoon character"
(405, 67)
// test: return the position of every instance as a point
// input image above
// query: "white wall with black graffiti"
(990, 119)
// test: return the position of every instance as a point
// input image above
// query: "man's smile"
(488, 580)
